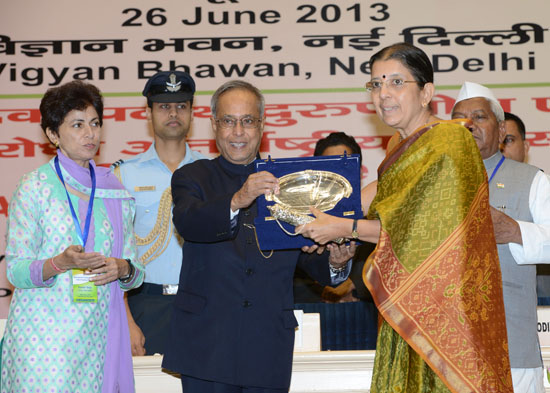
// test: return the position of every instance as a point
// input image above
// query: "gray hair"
(240, 85)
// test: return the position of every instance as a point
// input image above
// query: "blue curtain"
(345, 326)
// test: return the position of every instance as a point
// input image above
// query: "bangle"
(127, 277)
(55, 267)
(336, 270)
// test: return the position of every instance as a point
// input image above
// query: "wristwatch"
(130, 273)
(354, 233)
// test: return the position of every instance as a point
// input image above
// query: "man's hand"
(506, 228)
(341, 254)
(313, 248)
(137, 339)
(343, 293)
(256, 184)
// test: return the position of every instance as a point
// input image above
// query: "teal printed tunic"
(51, 343)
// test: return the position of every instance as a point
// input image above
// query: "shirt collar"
(491, 162)
(152, 155)
(238, 169)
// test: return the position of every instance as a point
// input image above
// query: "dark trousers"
(152, 312)
(195, 385)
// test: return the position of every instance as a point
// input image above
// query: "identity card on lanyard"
(84, 290)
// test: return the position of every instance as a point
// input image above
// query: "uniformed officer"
(147, 177)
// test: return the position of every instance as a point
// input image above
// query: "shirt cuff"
(339, 277)
(535, 248)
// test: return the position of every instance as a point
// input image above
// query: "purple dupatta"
(118, 373)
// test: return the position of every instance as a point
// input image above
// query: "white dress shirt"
(535, 235)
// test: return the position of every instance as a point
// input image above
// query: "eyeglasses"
(231, 122)
(392, 84)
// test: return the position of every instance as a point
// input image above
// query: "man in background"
(514, 145)
(352, 289)
(519, 195)
(147, 176)
(351, 322)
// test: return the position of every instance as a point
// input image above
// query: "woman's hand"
(74, 257)
(325, 227)
(113, 269)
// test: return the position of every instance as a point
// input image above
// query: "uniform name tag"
(144, 188)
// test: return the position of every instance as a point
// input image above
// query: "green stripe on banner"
(498, 86)
(300, 91)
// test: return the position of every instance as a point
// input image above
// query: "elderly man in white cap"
(520, 198)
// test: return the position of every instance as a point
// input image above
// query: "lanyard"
(496, 168)
(83, 236)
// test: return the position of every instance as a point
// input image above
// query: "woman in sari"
(434, 274)
(70, 254)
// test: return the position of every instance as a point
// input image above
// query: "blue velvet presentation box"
(270, 235)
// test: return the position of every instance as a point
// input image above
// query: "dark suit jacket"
(233, 318)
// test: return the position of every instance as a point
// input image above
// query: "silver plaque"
(300, 190)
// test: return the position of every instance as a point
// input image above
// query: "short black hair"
(59, 101)
(335, 139)
(413, 58)
(519, 123)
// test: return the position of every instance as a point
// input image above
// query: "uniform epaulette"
(115, 168)
(116, 163)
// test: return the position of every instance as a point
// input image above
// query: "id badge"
(84, 290)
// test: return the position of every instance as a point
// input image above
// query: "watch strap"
(130, 273)
(354, 233)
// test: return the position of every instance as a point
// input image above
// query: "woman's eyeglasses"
(391, 84)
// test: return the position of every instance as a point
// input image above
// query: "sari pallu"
(435, 274)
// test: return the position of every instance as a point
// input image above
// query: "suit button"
(246, 304)
(249, 272)
(249, 241)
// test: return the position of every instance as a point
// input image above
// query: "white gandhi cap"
(474, 90)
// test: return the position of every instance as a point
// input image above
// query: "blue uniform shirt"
(146, 177)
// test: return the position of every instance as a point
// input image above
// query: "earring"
(56, 144)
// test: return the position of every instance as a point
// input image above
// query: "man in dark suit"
(233, 322)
